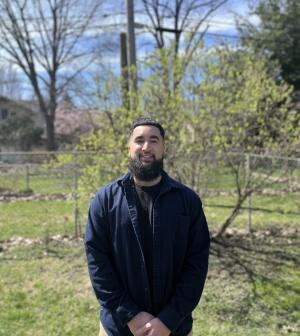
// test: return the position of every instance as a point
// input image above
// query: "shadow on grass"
(259, 257)
(262, 279)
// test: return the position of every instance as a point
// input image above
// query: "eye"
(154, 141)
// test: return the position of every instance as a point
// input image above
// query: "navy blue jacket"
(116, 263)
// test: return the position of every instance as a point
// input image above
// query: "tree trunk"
(50, 133)
(232, 216)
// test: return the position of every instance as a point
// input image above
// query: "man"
(147, 245)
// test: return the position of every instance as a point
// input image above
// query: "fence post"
(76, 211)
(249, 198)
(27, 177)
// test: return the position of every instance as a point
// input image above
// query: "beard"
(146, 172)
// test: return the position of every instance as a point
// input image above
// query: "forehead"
(146, 131)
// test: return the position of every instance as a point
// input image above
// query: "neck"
(151, 183)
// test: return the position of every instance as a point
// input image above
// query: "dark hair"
(143, 121)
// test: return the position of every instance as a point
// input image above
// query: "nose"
(145, 146)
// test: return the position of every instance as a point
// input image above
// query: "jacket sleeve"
(105, 281)
(190, 284)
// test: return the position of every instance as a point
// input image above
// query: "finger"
(144, 330)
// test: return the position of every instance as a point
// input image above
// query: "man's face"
(146, 150)
(146, 144)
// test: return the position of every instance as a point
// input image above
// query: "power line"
(107, 15)
(142, 28)
(121, 13)
(111, 26)
(222, 35)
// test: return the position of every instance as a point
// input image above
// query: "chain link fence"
(47, 194)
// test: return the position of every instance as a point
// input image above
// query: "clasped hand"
(145, 324)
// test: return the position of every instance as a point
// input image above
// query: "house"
(8, 106)
(71, 122)
(21, 125)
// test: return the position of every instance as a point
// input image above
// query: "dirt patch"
(25, 197)
(264, 191)
(13, 242)
(269, 232)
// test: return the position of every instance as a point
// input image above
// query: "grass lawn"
(40, 184)
(253, 285)
(36, 219)
(46, 291)
(267, 211)
(253, 288)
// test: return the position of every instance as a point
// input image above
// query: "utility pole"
(124, 70)
(131, 45)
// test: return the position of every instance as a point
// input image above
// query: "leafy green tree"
(244, 106)
(110, 139)
(277, 35)
(227, 102)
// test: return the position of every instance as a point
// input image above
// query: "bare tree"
(45, 38)
(180, 18)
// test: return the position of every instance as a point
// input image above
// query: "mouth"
(147, 158)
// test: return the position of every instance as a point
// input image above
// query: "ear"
(165, 149)
(128, 145)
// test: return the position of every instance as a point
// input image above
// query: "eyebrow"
(140, 137)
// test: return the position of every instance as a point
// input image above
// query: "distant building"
(72, 122)
(21, 125)
(25, 128)
(7, 106)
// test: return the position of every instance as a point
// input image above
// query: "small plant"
(26, 191)
(46, 240)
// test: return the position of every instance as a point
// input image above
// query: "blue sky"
(107, 28)
(221, 24)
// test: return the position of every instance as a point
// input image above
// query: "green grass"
(45, 288)
(46, 291)
(253, 288)
(267, 211)
(286, 289)
(52, 185)
(45, 294)
(40, 184)
(36, 218)
(219, 179)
